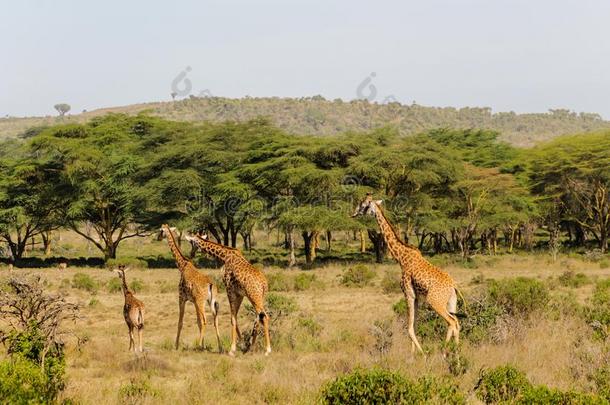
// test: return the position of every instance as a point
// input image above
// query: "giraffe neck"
(173, 246)
(126, 290)
(219, 251)
(396, 247)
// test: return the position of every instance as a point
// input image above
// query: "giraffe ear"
(378, 202)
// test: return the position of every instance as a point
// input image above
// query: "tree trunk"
(308, 244)
(46, 242)
(292, 258)
(329, 238)
(362, 242)
(110, 251)
(603, 240)
(378, 245)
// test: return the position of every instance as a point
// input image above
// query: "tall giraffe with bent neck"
(195, 287)
(420, 278)
(241, 280)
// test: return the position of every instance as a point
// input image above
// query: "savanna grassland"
(328, 321)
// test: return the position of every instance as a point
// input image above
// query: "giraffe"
(420, 278)
(133, 311)
(241, 280)
(195, 287)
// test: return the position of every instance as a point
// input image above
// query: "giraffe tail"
(140, 318)
(465, 314)
(214, 305)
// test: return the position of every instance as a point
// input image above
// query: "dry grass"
(554, 353)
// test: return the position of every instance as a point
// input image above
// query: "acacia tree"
(28, 205)
(572, 175)
(62, 108)
(197, 175)
(411, 173)
(94, 171)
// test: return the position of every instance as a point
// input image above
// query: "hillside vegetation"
(318, 116)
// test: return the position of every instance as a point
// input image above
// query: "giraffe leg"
(411, 301)
(140, 339)
(201, 321)
(261, 318)
(234, 302)
(267, 338)
(415, 310)
(254, 334)
(181, 304)
(214, 308)
(452, 322)
(132, 343)
(452, 309)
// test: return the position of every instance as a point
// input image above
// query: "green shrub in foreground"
(23, 382)
(82, 281)
(379, 386)
(22, 378)
(506, 384)
(519, 296)
(501, 384)
(357, 276)
(598, 313)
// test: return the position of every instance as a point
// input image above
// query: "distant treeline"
(318, 116)
(446, 190)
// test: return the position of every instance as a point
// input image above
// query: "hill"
(318, 116)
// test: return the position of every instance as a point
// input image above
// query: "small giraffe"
(195, 287)
(133, 311)
(241, 280)
(420, 278)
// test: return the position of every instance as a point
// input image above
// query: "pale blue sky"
(506, 54)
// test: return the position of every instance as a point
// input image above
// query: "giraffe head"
(121, 271)
(192, 237)
(163, 231)
(368, 206)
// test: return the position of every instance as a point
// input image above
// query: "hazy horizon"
(509, 56)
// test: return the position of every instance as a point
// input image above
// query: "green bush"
(137, 285)
(598, 312)
(390, 283)
(519, 296)
(601, 378)
(84, 281)
(502, 384)
(279, 282)
(304, 281)
(380, 386)
(136, 391)
(544, 395)
(22, 382)
(114, 285)
(22, 378)
(573, 280)
(357, 276)
(457, 363)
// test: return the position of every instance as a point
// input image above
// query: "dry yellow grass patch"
(551, 352)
